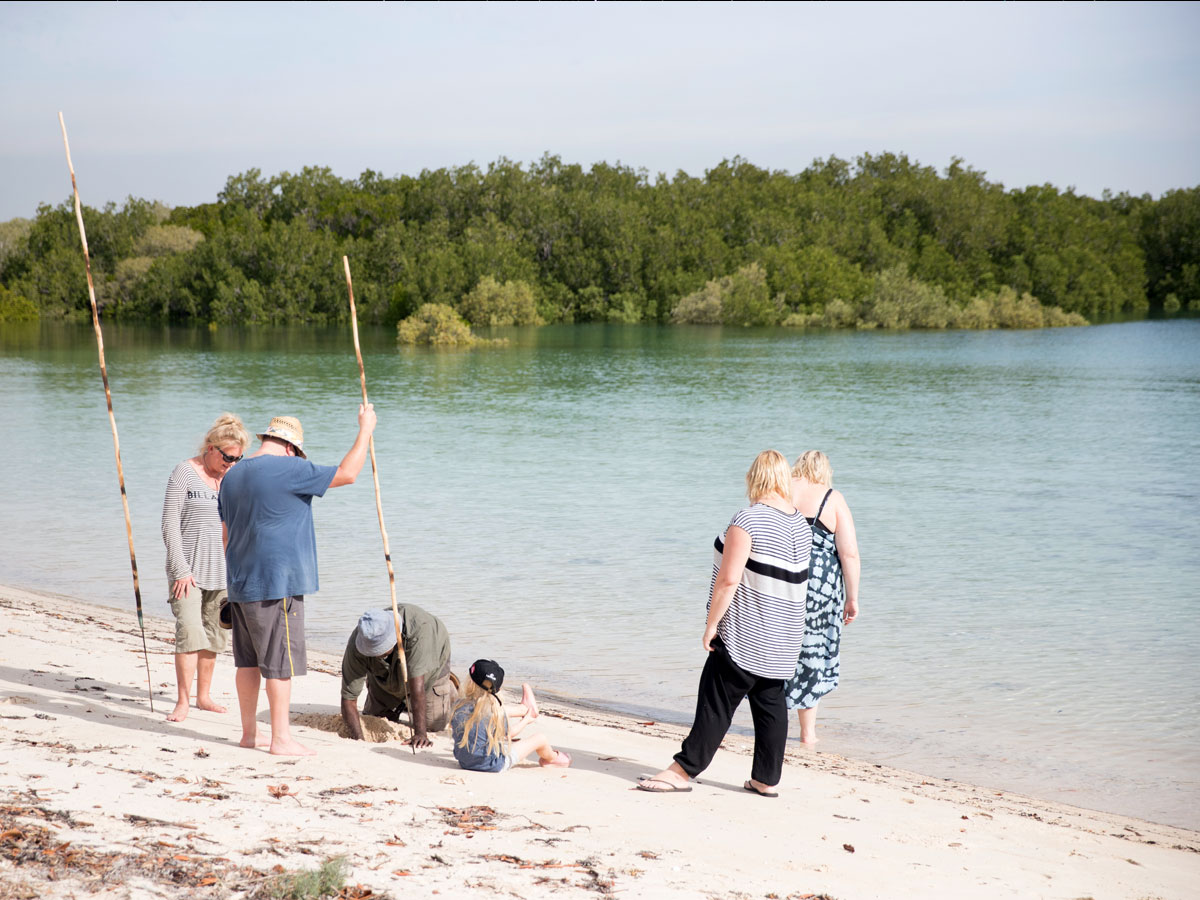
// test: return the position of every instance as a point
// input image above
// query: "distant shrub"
(700, 308)
(742, 298)
(1171, 303)
(15, 308)
(897, 301)
(439, 325)
(1006, 309)
(163, 240)
(626, 307)
(493, 303)
(746, 299)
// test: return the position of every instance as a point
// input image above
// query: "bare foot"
(257, 742)
(808, 740)
(529, 701)
(290, 747)
(757, 787)
(179, 713)
(208, 704)
(561, 758)
(667, 781)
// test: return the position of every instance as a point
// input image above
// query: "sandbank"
(100, 795)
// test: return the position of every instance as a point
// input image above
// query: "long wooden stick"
(137, 591)
(387, 553)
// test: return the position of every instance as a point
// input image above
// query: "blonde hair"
(228, 429)
(485, 703)
(814, 467)
(768, 473)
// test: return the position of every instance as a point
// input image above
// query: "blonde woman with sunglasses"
(191, 530)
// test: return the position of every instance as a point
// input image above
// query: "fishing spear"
(387, 553)
(137, 591)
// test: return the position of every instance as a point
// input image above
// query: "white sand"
(191, 814)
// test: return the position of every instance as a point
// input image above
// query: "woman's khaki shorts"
(269, 635)
(196, 621)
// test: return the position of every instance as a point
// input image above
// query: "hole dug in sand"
(375, 729)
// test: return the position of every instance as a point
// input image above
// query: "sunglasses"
(225, 456)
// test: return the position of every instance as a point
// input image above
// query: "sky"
(165, 101)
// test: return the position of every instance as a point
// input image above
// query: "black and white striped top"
(763, 629)
(191, 530)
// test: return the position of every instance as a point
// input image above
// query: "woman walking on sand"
(191, 530)
(832, 587)
(753, 633)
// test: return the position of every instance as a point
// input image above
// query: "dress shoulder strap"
(820, 508)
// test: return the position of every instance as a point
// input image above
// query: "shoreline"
(85, 757)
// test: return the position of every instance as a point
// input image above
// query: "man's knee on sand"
(440, 698)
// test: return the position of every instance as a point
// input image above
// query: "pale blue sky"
(165, 101)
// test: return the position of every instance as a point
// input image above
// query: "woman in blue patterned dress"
(832, 587)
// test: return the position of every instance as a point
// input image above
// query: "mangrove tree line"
(881, 241)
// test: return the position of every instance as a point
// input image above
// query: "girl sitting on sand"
(484, 741)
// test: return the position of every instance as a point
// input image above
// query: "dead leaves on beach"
(36, 852)
(468, 820)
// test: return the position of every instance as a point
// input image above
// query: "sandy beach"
(103, 796)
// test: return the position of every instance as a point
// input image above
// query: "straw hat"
(287, 428)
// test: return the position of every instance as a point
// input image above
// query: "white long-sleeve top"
(191, 530)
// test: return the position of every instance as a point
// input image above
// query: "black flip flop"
(752, 789)
(670, 789)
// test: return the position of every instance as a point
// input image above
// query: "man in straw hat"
(271, 563)
(371, 660)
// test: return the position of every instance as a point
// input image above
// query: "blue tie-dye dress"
(818, 666)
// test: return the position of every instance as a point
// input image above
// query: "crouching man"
(371, 660)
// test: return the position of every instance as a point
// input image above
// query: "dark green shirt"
(426, 651)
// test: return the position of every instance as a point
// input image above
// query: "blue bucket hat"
(376, 632)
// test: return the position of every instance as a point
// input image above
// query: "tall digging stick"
(387, 553)
(137, 591)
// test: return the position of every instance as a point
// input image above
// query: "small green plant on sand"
(326, 881)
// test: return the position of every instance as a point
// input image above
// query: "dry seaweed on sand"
(38, 856)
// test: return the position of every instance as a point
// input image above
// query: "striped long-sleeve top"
(763, 629)
(191, 530)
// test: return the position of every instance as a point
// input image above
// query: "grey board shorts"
(269, 635)
(196, 625)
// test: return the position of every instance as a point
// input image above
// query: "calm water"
(1026, 504)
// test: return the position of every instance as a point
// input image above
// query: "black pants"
(723, 686)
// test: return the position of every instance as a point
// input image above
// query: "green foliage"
(162, 240)
(325, 881)
(746, 299)
(15, 308)
(742, 298)
(13, 235)
(1170, 239)
(899, 302)
(493, 303)
(439, 325)
(880, 241)
(1004, 308)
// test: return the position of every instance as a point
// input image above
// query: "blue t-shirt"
(474, 755)
(266, 504)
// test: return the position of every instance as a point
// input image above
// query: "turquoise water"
(1026, 504)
